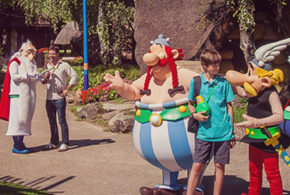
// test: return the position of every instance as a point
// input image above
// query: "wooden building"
(15, 32)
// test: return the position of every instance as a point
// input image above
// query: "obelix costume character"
(263, 116)
(160, 130)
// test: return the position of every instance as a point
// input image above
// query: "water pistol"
(201, 105)
(273, 140)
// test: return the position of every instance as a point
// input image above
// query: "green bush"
(240, 110)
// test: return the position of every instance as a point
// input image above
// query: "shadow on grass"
(12, 185)
(233, 185)
(74, 144)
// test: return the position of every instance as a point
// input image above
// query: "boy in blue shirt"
(216, 129)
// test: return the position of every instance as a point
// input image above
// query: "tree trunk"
(116, 53)
(247, 44)
(101, 32)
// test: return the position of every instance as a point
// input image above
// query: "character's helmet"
(266, 66)
(161, 40)
(267, 53)
(164, 41)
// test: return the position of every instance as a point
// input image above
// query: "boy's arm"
(198, 116)
(191, 108)
(190, 97)
(231, 110)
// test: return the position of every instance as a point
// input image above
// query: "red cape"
(5, 101)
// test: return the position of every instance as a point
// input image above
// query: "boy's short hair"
(210, 56)
(54, 48)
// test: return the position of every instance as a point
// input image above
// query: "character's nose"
(161, 56)
(237, 78)
(150, 59)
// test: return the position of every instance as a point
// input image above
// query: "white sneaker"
(50, 146)
(63, 147)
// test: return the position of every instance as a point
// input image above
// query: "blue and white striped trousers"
(169, 146)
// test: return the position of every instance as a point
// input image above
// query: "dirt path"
(101, 163)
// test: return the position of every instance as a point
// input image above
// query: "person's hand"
(116, 82)
(233, 142)
(46, 75)
(200, 116)
(249, 122)
(64, 93)
(32, 75)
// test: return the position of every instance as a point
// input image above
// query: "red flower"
(42, 50)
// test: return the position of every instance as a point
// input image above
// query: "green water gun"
(201, 105)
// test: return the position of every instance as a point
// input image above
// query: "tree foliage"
(107, 36)
(244, 11)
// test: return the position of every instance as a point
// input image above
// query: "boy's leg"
(201, 156)
(193, 179)
(256, 167)
(219, 178)
(271, 163)
(222, 157)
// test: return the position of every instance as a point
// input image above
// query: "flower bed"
(102, 92)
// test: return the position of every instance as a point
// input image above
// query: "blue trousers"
(58, 107)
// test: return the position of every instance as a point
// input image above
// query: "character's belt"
(169, 114)
(258, 133)
(14, 96)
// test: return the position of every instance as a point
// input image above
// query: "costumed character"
(160, 129)
(264, 113)
(18, 97)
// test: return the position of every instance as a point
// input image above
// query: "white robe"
(22, 107)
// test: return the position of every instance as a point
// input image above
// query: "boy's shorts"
(204, 150)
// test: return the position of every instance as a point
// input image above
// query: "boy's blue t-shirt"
(219, 125)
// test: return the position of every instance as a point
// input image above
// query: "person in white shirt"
(57, 89)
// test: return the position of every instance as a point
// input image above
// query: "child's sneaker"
(63, 147)
(50, 146)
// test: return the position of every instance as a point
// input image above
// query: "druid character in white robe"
(22, 76)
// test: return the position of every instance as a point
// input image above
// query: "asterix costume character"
(160, 130)
(18, 98)
(263, 116)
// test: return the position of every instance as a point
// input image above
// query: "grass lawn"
(7, 188)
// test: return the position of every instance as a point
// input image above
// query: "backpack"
(193, 124)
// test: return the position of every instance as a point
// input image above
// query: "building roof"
(69, 32)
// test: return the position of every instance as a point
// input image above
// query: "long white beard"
(29, 65)
(26, 95)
